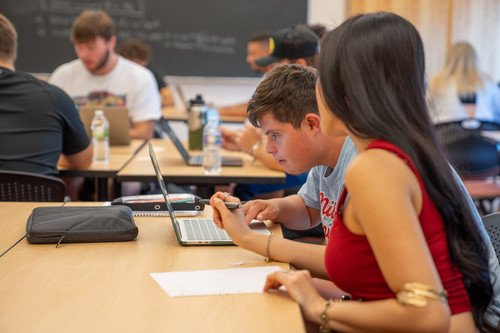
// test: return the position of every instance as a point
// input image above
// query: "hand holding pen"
(231, 220)
(229, 204)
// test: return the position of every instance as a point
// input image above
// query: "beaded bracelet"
(323, 317)
(268, 246)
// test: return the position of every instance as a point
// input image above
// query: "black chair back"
(27, 186)
(472, 155)
(492, 225)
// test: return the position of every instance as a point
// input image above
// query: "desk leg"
(101, 188)
(117, 188)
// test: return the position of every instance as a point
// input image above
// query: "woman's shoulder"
(377, 165)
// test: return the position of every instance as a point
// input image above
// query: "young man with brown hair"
(101, 77)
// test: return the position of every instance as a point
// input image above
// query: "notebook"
(196, 231)
(197, 160)
(119, 123)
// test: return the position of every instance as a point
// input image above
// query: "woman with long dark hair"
(404, 244)
(405, 239)
(404, 211)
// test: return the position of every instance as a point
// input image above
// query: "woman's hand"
(300, 287)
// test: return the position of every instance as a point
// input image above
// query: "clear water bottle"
(211, 147)
(100, 136)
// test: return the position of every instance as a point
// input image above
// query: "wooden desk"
(175, 170)
(180, 114)
(119, 156)
(106, 287)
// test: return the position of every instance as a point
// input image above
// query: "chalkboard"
(188, 37)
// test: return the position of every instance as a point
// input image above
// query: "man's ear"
(112, 42)
(312, 121)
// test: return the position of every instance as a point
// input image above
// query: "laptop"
(197, 160)
(197, 231)
(119, 123)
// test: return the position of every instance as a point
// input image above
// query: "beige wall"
(478, 22)
(442, 22)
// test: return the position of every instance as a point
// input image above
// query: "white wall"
(330, 13)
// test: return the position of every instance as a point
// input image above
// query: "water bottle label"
(212, 139)
(100, 132)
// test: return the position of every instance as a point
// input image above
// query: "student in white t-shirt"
(100, 77)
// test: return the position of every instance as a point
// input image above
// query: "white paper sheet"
(214, 282)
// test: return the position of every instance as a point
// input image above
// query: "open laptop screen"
(163, 187)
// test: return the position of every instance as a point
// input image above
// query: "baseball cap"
(290, 43)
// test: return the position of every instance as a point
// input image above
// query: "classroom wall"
(229, 91)
(439, 22)
(444, 22)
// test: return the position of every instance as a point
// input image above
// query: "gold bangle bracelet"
(268, 246)
(416, 294)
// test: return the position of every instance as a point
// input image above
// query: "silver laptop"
(119, 123)
(197, 160)
(196, 231)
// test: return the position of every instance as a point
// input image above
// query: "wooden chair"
(492, 226)
(27, 186)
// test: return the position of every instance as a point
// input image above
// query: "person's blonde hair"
(462, 69)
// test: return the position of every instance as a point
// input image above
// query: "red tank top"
(352, 266)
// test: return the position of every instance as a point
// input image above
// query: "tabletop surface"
(107, 287)
(174, 113)
(118, 158)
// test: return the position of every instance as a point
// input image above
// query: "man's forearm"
(293, 213)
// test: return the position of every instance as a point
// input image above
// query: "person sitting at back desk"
(461, 90)
(101, 77)
(140, 53)
(257, 47)
(39, 127)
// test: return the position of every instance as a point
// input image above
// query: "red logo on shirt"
(327, 211)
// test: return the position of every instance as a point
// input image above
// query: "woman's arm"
(385, 200)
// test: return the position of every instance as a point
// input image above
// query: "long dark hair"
(372, 73)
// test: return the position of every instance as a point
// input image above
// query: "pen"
(229, 205)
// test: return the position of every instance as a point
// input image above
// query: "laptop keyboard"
(204, 229)
(196, 159)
